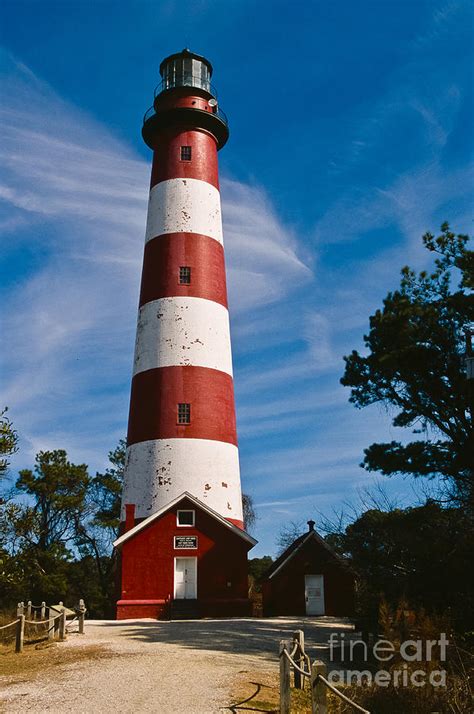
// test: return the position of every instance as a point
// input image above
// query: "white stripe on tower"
(184, 206)
(215, 465)
(183, 331)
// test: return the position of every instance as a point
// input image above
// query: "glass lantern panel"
(186, 72)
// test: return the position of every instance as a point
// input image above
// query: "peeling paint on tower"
(182, 348)
(182, 535)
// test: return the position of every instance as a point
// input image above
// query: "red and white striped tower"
(182, 431)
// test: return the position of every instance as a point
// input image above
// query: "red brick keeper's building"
(185, 560)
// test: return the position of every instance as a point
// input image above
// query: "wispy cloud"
(78, 197)
(440, 24)
(73, 208)
(262, 255)
(397, 143)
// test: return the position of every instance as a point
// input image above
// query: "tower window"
(185, 518)
(185, 275)
(185, 153)
(184, 413)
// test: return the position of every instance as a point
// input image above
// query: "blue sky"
(350, 137)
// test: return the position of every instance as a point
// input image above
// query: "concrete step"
(184, 609)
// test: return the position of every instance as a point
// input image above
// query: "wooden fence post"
(20, 609)
(28, 609)
(82, 612)
(318, 688)
(20, 633)
(51, 625)
(298, 636)
(43, 611)
(56, 625)
(284, 680)
(62, 625)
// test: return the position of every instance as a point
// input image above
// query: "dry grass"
(6, 616)
(40, 658)
(7, 636)
(262, 694)
(33, 634)
(259, 693)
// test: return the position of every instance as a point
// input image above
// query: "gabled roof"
(297, 544)
(210, 511)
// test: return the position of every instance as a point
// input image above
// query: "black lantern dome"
(186, 69)
(185, 98)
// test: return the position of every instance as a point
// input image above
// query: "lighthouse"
(183, 546)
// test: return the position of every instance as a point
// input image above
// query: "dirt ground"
(134, 666)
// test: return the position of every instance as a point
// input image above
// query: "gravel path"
(163, 667)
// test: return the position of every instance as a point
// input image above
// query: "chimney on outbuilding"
(311, 525)
(129, 516)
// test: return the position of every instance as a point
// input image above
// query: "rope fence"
(10, 624)
(71, 622)
(315, 673)
(42, 622)
(50, 625)
(341, 695)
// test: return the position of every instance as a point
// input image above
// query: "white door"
(185, 580)
(314, 594)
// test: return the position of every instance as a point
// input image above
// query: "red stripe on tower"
(200, 387)
(166, 255)
(182, 432)
(167, 161)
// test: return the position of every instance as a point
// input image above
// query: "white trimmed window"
(185, 153)
(184, 413)
(185, 275)
(185, 518)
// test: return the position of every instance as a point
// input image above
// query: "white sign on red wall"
(185, 542)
